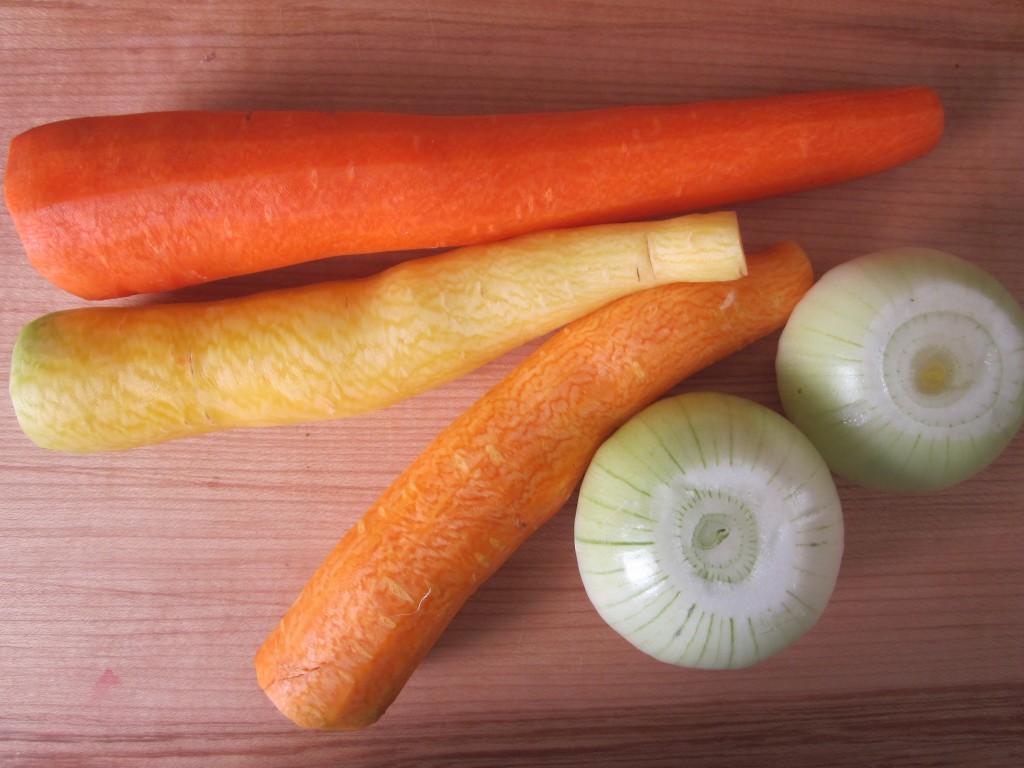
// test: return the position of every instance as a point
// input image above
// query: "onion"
(709, 532)
(905, 368)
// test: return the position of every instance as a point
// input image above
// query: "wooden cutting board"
(136, 587)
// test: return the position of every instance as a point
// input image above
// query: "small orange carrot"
(384, 595)
(110, 206)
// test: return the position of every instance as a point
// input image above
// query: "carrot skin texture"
(386, 592)
(116, 205)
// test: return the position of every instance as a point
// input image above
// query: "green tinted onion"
(709, 532)
(905, 368)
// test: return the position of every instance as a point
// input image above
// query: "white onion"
(709, 532)
(905, 368)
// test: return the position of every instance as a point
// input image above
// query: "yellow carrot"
(110, 378)
(384, 595)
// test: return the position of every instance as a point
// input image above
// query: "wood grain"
(135, 587)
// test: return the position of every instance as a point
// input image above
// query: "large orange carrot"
(109, 206)
(381, 599)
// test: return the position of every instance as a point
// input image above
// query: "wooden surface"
(135, 588)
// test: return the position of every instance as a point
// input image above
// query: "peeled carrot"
(383, 596)
(110, 378)
(110, 206)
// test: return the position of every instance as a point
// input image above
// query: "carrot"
(115, 205)
(383, 596)
(110, 378)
